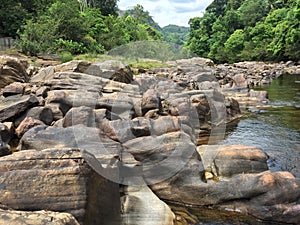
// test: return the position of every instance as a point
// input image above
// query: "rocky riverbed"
(92, 143)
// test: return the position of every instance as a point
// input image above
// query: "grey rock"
(15, 105)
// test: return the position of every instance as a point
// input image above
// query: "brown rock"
(27, 124)
(59, 180)
(14, 89)
(12, 70)
(36, 218)
(229, 160)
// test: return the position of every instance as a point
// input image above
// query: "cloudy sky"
(166, 12)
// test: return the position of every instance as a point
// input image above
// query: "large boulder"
(112, 69)
(12, 70)
(250, 190)
(59, 180)
(229, 160)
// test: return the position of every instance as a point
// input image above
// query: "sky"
(166, 12)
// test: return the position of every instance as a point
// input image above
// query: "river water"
(276, 130)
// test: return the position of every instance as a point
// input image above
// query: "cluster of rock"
(97, 145)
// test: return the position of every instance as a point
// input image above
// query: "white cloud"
(166, 12)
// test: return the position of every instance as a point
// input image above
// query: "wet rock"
(36, 218)
(12, 70)
(113, 70)
(59, 180)
(15, 105)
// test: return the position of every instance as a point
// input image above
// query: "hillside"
(175, 34)
(236, 30)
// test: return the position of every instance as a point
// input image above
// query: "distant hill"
(175, 34)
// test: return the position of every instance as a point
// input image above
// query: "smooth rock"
(141, 206)
(230, 160)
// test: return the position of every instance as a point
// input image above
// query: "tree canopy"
(235, 30)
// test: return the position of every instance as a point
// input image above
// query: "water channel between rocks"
(276, 130)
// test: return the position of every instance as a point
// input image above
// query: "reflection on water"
(275, 129)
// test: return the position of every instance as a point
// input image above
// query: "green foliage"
(247, 30)
(76, 28)
(175, 34)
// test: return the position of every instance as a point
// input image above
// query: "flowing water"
(276, 130)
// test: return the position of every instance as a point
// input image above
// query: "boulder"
(15, 105)
(141, 206)
(112, 69)
(14, 217)
(59, 180)
(229, 160)
(150, 100)
(15, 88)
(27, 124)
(43, 114)
(12, 70)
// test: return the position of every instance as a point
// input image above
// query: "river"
(276, 130)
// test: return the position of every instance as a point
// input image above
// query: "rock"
(196, 61)
(12, 70)
(79, 136)
(14, 89)
(141, 206)
(27, 124)
(150, 100)
(6, 135)
(230, 160)
(43, 114)
(59, 180)
(15, 105)
(239, 81)
(79, 115)
(36, 218)
(161, 156)
(113, 70)
(260, 95)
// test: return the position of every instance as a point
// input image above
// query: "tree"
(107, 7)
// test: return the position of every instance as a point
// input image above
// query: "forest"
(252, 30)
(228, 31)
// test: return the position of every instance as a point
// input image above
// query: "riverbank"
(87, 132)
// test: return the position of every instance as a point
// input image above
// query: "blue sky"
(166, 12)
